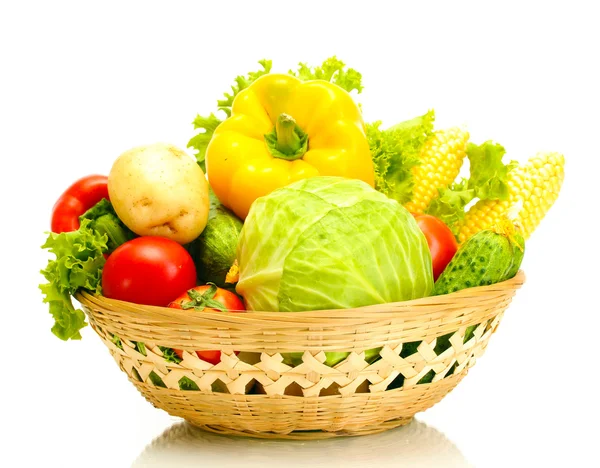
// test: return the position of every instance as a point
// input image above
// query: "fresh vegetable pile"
(293, 203)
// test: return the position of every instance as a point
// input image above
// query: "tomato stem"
(200, 301)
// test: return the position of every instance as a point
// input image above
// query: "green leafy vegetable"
(427, 378)
(140, 348)
(488, 173)
(207, 127)
(104, 220)
(185, 383)
(452, 369)
(450, 205)
(78, 264)
(330, 243)
(242, 83)
(117, 341)
(169, 355)
(156, 380)
(395, 152)
(303, 244)
(443, 343)
(410, 348)
(333, 70)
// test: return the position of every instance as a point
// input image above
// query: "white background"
(82, 82)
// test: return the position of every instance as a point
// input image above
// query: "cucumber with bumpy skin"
(488, 257)
(214, 251)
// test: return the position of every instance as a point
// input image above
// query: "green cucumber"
(488, 257)
(214, 251)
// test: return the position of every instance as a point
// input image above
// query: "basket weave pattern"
(256, 393)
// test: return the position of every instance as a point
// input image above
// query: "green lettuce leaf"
(488, 173)
(156, 380)
(450, 205)
(140, 347)
(395, 152)
(78, 264)
(67, 320)
(169, 354)
(207, 127)
(104, 220)
(185, 383)
(333, 70)
(241, 83)
(117, 341)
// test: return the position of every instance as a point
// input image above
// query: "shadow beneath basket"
(415, 445)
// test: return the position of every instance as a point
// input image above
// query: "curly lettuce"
(489, 175)
(79, 259)
(333, 70)
(450, 205)
(78, 264)
(104, 220)
(395, 151)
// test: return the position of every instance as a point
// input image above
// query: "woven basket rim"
(514, 283)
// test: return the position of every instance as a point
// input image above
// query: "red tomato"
(441, 241)
(207, 297)
(76, 200)
(148, 270)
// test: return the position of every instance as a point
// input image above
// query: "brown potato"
(159, 190)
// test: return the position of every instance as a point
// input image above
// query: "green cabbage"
(330, 243)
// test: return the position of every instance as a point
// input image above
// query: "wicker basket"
(255, 393)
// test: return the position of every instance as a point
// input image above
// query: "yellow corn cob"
(441, 158)
(536, 184)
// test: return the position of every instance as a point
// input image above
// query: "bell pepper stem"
(287, 140)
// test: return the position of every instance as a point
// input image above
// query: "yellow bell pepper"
(282, 130)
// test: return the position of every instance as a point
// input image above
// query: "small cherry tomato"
(207, 297)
